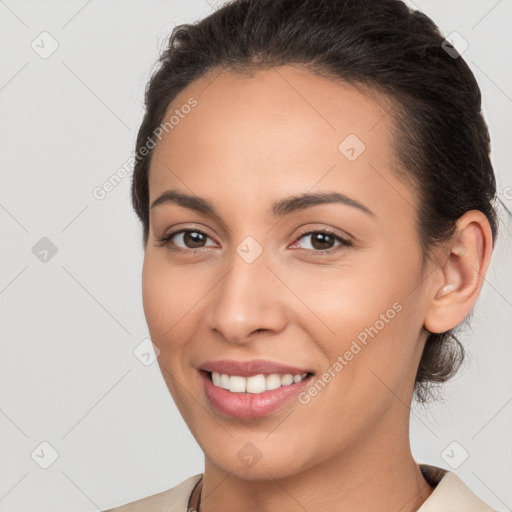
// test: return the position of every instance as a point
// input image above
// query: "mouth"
(254, 396)
(255, 384)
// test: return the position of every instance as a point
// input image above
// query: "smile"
(256, 384)
(250, 405)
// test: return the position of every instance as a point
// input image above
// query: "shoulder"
(172, 500)
(450, 494)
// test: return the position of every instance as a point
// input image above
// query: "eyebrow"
(280, 208)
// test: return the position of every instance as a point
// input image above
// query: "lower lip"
(250, 405)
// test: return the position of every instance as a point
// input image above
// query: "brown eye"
(185, 239)
(323, 241)
(193, 239)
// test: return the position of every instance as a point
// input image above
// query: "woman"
(314, 185)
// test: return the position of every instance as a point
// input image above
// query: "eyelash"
(166, 240)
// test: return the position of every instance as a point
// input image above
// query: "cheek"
(165, 311)
(162, 297)
(153, 298)
(374, 318)
(169, 295)
(351, 301)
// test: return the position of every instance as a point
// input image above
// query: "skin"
(250, 141)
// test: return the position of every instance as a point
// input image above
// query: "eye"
(190, 238)
(323, 241)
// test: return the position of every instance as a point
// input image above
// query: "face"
(331, 286)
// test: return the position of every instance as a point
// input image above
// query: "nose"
(248, 301)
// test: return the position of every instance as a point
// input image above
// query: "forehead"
(280, 129)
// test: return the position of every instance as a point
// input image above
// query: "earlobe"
(461, 273)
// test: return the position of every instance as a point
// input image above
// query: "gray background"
(70, 323)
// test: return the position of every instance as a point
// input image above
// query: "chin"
(251, 464)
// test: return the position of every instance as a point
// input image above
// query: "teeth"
(224, 381)
(255, 384)
(287, 379)
(273, 381)
(237, 384)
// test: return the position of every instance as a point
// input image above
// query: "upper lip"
(250, 368)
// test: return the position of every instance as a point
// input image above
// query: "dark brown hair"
(441, 139)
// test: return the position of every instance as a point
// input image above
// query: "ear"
(460, 273)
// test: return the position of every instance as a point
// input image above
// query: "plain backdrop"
(75, 396)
